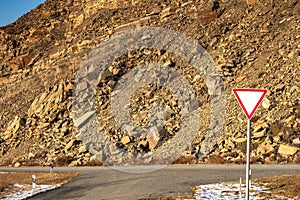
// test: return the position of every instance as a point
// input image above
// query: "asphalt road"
(106, 183)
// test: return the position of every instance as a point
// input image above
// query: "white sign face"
(249, 99)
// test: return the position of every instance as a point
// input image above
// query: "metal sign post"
(248, 170)
(249, 99)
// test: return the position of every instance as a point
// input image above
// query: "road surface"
(106, 183)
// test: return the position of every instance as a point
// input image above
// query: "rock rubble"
(254, 44)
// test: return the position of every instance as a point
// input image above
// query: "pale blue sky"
(11, 10)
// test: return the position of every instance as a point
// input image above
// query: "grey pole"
(248, 170)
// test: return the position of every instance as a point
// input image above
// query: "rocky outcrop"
(253, 44)
(47, 132)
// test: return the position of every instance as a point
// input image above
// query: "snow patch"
(29, 192)
(222, 191)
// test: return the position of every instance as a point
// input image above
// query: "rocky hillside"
(254, 44)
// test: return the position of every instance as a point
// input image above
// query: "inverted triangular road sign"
(249, 99)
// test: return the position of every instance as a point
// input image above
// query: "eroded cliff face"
(253, 44)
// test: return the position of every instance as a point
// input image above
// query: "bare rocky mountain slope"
(254, 44)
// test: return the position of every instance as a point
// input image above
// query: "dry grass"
(8, 179)
(185, 160)
(287, 186)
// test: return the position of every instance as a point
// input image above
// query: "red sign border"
(235, 90)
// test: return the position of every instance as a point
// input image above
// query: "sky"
(11, 10)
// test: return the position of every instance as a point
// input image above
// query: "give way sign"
(249, 99)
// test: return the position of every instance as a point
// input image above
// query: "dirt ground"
(8, 179)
